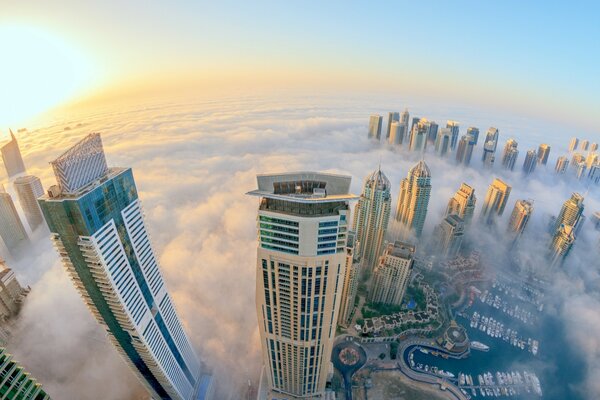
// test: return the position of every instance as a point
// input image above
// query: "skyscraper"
(573, 144)
(463, 203)
(432, 132)
(594, 147)
(530, 162)
(371, 217)
(11, 156)
(591, 159)
(11, 293)
(570, 213)
(594, 173)
(489, 147)
(414, 199)
(584, 145)
(465, 150)
(418, 135)
(454, 128)
(301, 259)
(562, 164)
(351, 280)
(580, 169)
(495, 201)
(392, 116)
(397, 133)
(16, 383)
(442, 142)
(375, 126)
(520, 216)
(509, 157)
(543, 153)
(448, 236)
(474, 132)
(29, 189)
(11, 228)
(405, 117)
(561, 244)
(97, 226)
(392, 274)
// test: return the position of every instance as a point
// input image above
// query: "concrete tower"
(413, 199)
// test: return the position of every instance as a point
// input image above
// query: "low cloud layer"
(193, 162)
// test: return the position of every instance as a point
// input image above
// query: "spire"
(12, 135)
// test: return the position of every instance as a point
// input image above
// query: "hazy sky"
(532, 56)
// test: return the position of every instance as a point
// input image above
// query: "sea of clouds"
(193, 162)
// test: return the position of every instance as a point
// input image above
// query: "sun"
(39, 70)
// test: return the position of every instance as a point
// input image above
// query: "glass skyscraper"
(97, 226)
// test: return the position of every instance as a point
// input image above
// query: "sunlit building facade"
(573, 144)
(392, 117)
(97, 226)
(495, 201)
(392, 274)
(375, 122)
(562, 164)
(442, 142)
(11, 156)
(543, 153)
(463, 203)
(418, 135)
(301, 260)
(351, 280)
(397, 133)
(413, 199)
(530, 162)
(464, 151)
(520, 217)
(448, 236)
(372, 216)
(29, 189)
(510, 154)
(12, 230)
(474, 133)
(489, 147)
(16, 383)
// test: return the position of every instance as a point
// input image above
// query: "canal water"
(556, 364)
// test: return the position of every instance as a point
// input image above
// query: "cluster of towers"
(584, 162)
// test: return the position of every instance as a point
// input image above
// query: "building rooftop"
(378, 180)
(304, 187)
(54, 194)
(420, 170)
(401, 250)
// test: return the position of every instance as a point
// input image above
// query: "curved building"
(413, 199)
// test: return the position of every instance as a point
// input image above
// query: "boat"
(534, 347)
(479, 346)
(424, 351)
(446, 374)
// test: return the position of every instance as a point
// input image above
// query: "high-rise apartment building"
(418, 135)
(489, 147)
(16, 383)
(463, 203)
(432, 132)
(591, 159)
(351, 281)
(301, 259)
(594, 173)
(448, 236)
(413, 199)
(474, 132)
(11, 156)
(520, 216)
(580, 170)
(372, 216)
(562, 164)
(454, 129)
(375, 122)
(495, 201)
(442, 142)
(398, 133)
(543, 153)
(530, 162)
(392, 274)
(11, 228)
(464, 151)
(561, 244)
(510, 154)
(573, 144)
(11, 293)
(585, 144)
(29, 189)
(570, 213)
(97, 226)
(392, 117)
(593, 146)
(405, 117)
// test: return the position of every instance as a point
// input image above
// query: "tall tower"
(561, 244)
(448, 236)
(11, 156)
(474, 132)
(29, 189)
(454, 129)
(573, 144)
(301, 259)
(392, 274)
(11, 228)
(97, 226)
(509, 157)
(371, 217)
(562, 164)
(414, 199)
(465, 149)
(16, 382)
(530, 162)
(520, 216)
(375, 126)
(495, 201)
(432, 132)
(585, 144)
(442, 142)
(463, 203)
(11, 293)
(351, 280)
(397, 133)
(543, 153)
(418, 135)
(392, 117)
(489, 147)
(570, 213)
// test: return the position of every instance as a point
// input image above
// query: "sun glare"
(39, 70)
